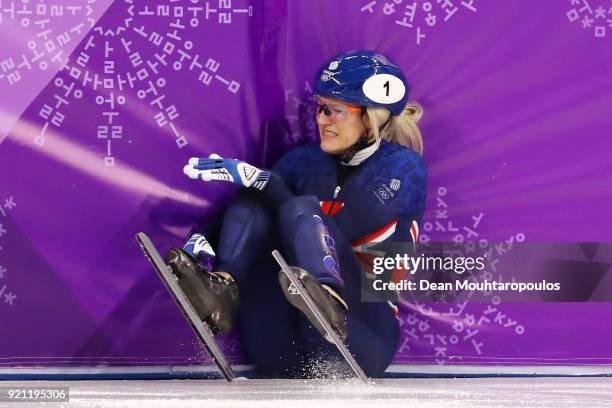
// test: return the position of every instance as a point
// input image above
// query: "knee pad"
(307, 238)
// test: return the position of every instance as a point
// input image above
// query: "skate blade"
(337, 341)
(201, 329)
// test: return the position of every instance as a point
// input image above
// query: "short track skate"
(331, 334)
(201, 329)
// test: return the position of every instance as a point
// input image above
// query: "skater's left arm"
(388, 209)
(388, 202)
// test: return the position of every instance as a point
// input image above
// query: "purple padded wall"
(517, 124)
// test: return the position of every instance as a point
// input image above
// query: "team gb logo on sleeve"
(386, 191)
(395, 184)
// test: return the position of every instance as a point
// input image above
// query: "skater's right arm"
(271, 186)
(283, 178)
(276, 192)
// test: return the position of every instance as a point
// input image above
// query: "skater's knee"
(249, 217)
(250, 203)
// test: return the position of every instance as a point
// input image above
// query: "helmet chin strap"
(363, 143)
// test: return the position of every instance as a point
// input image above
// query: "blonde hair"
(402, 129)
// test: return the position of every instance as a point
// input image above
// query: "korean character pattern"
(55, 117)
(26, 10)
(174, 32)
(146, 11)
(129, 79)
(178, 11)
(389, 8)
(465, 325)
(418, 15)
(9, 70)
(208, 72)
(38, 18)
(418, 330)
(145, 75)
(590, 18)
(166, 114)
(206, 76)
(204, 9)
(44, 30)
(156, 39)
(51, 112)
(581, 7)
(170, 113)
(8, 296)
(226, 11)
(111, 101)
(369, 7)
(408, 15)
(469, 4)
(448, 7)
(494, 315)
(183, 55)
(441, 223)
(94, 79)
(73, 70)
(153, 90)
(10, 11)
(430, 17)
(162, 10)
(110, 130)
(37, 55)
(25, 62)
(194, 11)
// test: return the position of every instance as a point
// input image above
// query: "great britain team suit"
(319, 211)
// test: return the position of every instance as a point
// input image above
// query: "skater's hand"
(235, 171)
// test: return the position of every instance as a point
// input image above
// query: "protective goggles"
(335, 111)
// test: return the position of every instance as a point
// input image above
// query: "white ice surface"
(405, 393)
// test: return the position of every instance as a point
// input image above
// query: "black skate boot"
(213, 295)
(330, 303)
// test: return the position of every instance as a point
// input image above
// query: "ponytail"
(402, 129)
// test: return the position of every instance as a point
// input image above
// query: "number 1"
(386, 85)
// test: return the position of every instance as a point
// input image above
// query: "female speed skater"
(364, 182)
